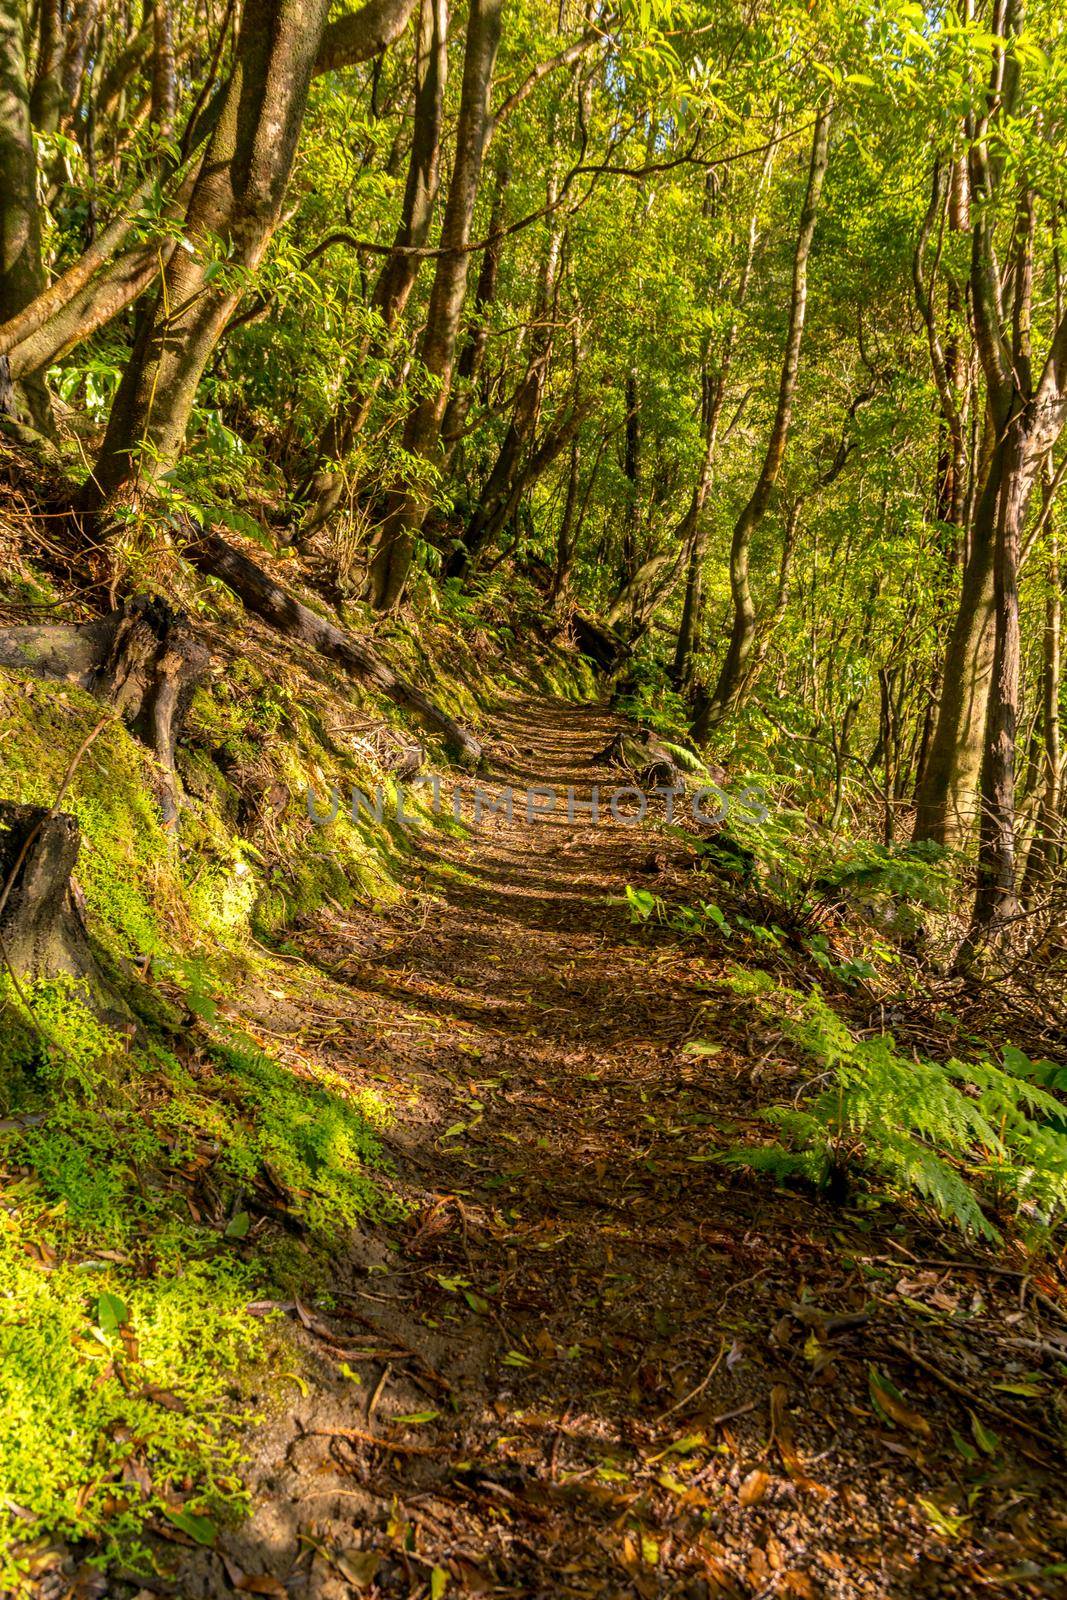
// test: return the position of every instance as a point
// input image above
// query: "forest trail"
(579, 1370)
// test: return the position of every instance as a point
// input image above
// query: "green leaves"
(198, 1527)
(110, 1312)
(937, 1129)
(238, 1226)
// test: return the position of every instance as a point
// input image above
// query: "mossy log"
(143, 658)
(599, 644)
(283, 611)
(638, 752)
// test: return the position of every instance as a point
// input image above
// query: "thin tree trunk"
(409, 502)
(743, 634)
(46, 97)
(996, 898)
(511, 469)
(631, 466)
(1027, 405)
(946, 800)
(472, 356)
(565, 533)
(1047, 846)
(692, 529)
(164, 88)
(400, 271)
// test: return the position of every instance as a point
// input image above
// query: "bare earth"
(592, 1361)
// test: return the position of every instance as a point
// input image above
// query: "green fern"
(949, 1132)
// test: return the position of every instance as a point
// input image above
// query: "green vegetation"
(374, 378)
(941, 1129)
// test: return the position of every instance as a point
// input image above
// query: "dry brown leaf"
(359, 1566)
(799, 1584)
(782, 1437)
(894, 1406)
(260, 1583)
(754, 1487)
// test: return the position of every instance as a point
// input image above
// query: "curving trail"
(586, 1323)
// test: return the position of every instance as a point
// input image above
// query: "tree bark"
(409, 502)
(946, 800)
(511, 470)
(1046, 848)
(143, 658)
(472, 355)
(692, 530)
(1027, 407)
(22, 275)
(236, 200)
(46, 97)
(164, 87)
(565, 534)
(115, 270)
(42, 934)
(400, 271)
(743, 633)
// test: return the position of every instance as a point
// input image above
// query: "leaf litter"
(600, 1363)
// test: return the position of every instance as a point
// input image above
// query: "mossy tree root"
(142, 658)
(41, 925)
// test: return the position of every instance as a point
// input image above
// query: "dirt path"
(585, 1323)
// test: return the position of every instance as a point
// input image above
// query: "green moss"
(106, 1427)
(102, 1428)
(316, 1136)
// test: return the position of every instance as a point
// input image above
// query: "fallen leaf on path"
(754, 1487)
(260, 1583)
(782, 1437)
(360, 1567)
(890, 1403)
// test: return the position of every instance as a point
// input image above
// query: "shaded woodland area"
(545, 393)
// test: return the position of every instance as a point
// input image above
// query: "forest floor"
(589, 1361)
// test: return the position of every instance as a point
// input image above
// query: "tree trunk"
(946, 801)
(22, 275)
(42, 934)
(732, 676)
(1046, 848)
(631, 467)
(996, 899)
(164, 87)
(143, 659)
(398, 276)
(1027, 403)
(692, 530)
(408, 503)
(117, 267)
(46, 98)
(472, 356)
(236, 199)
(565, 534)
